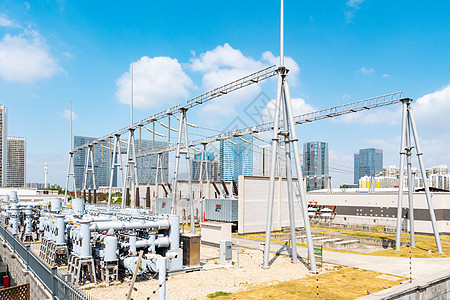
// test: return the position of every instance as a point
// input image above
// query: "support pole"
(401, 176)
(136, 269)
(70, 167)
(304, 204)
(425, 182)
(290, 186)
(116, 162)
(161, 263)
(188, 166)
(410, 182)
(273, 156)
(177, 161)
(130, 167)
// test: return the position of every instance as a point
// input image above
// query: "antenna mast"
(131, 106)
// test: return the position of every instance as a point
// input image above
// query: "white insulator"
(60, 230)
(85, 243)
(78, 207)
(110, 242)
(14, 219)
(13, 196)
(55, 205)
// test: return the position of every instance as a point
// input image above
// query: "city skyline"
(316, 165)
(367, 162)
(92, 68)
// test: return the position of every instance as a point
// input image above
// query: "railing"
(359, 223)
(52, 282)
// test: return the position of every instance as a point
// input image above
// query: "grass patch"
(345, 283)
(424, 243)
(217, 294)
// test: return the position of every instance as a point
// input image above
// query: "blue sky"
(340, 51)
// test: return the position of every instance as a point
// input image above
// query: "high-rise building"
(264, 161)
(236, 157)
(16, 161)
(102, 163)
(3, 144)
(367, 162)
(210, 168)
(315, 165)
(146, 166)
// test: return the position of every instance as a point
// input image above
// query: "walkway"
(392, 265)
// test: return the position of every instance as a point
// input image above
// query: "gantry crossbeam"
(331, 112)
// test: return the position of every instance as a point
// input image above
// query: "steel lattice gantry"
(206, 97)
(335, 111)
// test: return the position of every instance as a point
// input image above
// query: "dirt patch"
(345, 283)
(197, 285)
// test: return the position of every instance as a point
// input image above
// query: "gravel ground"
(213, 278)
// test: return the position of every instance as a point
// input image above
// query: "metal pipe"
(117, 225)
(410, 185)
(401, 176)
(188, 168)
(425, 182)
(290, 186)
(272, 173)
(177, 161)
(282, 34)
(304, 204)
(161, 263)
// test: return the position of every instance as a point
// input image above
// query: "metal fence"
(360, 223)
(52, 282)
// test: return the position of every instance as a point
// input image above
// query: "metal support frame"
(130, 178)
(159, 170)
(283, 103)
(70, 167)
(89, 161)
(116, 161)
(335, 111)
(182, 126)
(408, 129)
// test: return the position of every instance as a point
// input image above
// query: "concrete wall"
(253, 198)
(378, 208)
(20, 275)
(434, 287)
(383, 205)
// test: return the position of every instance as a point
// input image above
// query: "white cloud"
(5, 21)
(224, 64)
(434, 149)
(26, 57)
(67, 54)
(387, 76)
(427, 110)
(66, 114)
(352, 7)
(366, 71)
(371, 117)
(354, 3)
(224, 57)
(391, 144)
(157, 82)
(299, 107)
(432, 110)
(346, 96)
